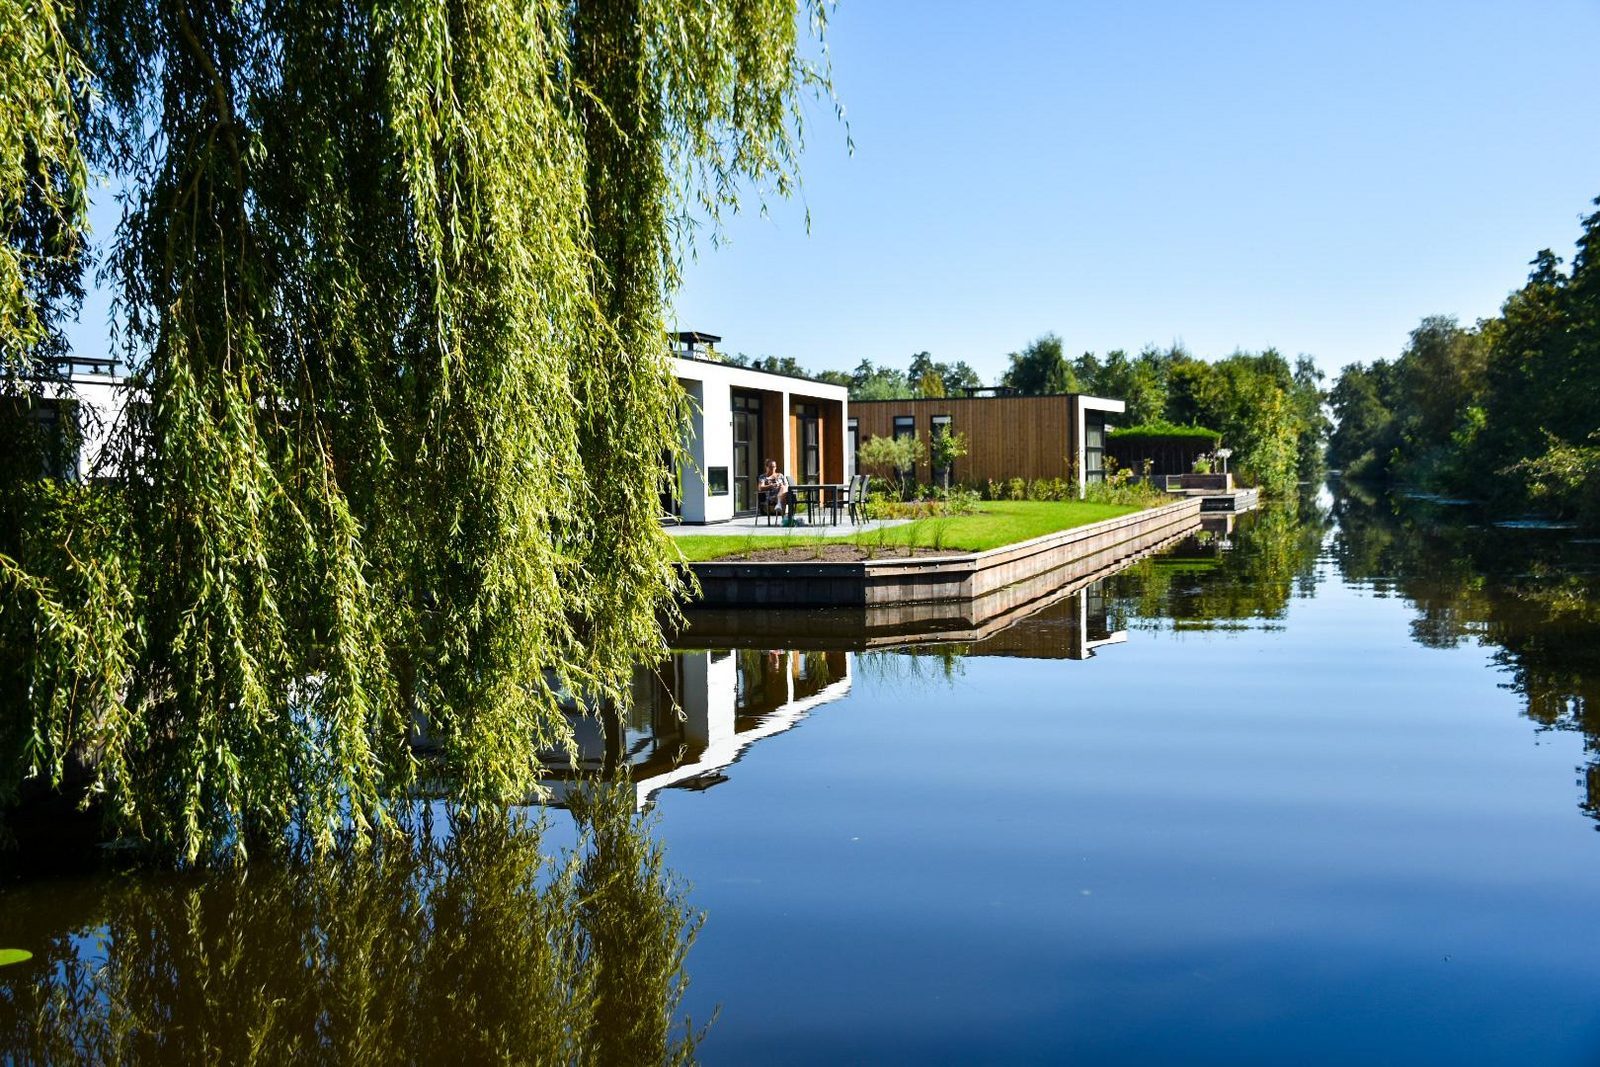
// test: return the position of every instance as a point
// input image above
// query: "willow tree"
(392, 275)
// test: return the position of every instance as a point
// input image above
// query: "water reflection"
(1230, 577)
(1069, 627)
(1530, 594)
(475, 946)
(692, 716)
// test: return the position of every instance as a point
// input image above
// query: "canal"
(1316, 788)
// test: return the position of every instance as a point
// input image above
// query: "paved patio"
(756, 526)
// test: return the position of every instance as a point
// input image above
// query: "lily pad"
(14, 955)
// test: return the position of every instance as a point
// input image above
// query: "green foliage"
(945, 449)
(1040, 369)
(868, 382)
(924, 377)
(1162, 428)
(930, 501)
(1513, 395)
(1365, 432)
(42, 178)
(895, 458)
(1140, 382)
(1565, 478)
(473, 947)
(1198, 585)
(930, 378)
(769, 364)
(1268, 412)
(1122, 489)
(394, 289)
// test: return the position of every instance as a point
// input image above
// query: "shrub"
(896, 458)
(1565, 477)
(1162, 428)
(947, 448)
(1125, 491)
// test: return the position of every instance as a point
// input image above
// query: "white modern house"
(739, 419)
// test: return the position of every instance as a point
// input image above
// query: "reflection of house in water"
(1069, 622)
(695, 714)
(1069, 628)
(698, 711)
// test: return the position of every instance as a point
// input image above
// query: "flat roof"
(986, 399)
(757, 370)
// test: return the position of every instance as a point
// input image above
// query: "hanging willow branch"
(393, 276)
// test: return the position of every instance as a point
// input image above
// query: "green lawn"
(997, 522)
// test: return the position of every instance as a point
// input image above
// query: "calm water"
(1315, 790)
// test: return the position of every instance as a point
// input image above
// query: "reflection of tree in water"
(911, 664)
(1240, 580)
(472, 947)
(1531, 595)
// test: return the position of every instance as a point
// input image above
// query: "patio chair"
(855, 498)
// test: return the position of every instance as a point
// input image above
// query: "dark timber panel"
(1007, 436)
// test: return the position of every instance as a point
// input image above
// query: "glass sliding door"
(746, 452)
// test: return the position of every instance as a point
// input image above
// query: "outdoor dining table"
(815, 495)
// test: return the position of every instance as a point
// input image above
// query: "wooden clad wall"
(772, 419)
(831, 433)
(1007, 436)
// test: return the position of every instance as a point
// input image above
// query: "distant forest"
(1506, 411)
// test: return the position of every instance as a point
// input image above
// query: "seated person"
(771, 490)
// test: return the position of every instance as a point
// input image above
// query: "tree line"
(1504, 410)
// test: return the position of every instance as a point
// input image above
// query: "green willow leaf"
(393, 276)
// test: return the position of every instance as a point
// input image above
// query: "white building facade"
(739, 418)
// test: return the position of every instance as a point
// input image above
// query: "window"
(936, 425)
(852, 438)
(905, 426)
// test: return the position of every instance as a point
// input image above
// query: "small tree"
(895, 457)
(947, 448)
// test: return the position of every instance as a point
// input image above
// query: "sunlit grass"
(996, 523)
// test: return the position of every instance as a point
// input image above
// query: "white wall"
(99, 400)
(1081, 438)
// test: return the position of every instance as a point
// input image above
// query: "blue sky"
(1311, 177)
